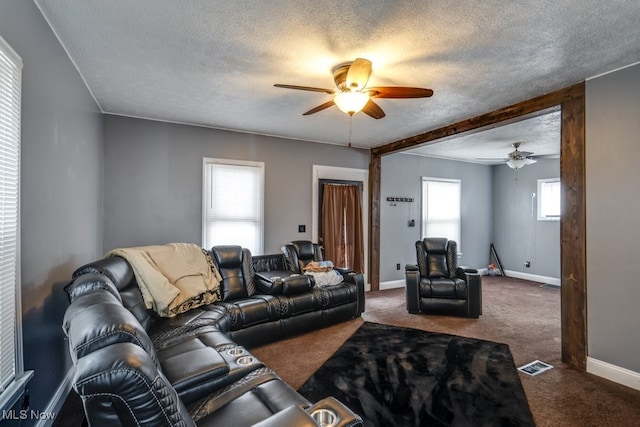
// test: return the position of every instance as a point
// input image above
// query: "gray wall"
(153, 180)
(613, 210)
(401, 177)
(61, 189)
(516, 237)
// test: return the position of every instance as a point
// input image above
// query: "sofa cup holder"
(235, 352)
(245, 360)
(324, 417)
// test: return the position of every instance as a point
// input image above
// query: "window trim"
(16, 386)
(211, 160)
(539, 201)
(423, 201)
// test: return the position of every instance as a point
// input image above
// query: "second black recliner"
(436, 285)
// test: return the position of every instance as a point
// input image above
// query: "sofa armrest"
(270, 282)
(195, 373)
(283, 282)
(462, 271)
(358, 280)
(412, 288)
(291, 416)
(474, 287)
(343, 270)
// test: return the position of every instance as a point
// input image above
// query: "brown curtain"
(342, 226)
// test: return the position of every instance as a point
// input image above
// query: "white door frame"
(346, 174)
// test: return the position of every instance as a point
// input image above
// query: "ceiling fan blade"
(320, 108)
(546, 156)
(308, 88)
(399, 92)
(358, 74)
(525, 153)
(373, 110)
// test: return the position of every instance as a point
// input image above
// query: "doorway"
(333, 173)
(573, 217)
(340, 222)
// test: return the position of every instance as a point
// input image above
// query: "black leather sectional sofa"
(135, 368)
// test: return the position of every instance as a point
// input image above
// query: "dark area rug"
(394, 376)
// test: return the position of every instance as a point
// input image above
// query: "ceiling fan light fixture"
(351, 102)
(516, 163)
(353, 95)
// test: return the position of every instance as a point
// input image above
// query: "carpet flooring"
(393, 376)
(525, 315)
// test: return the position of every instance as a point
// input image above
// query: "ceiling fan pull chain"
(350, 128)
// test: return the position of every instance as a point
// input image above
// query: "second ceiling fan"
(352, 94)
(516, 159)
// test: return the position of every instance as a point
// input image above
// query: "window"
(233, 204)
(12, 378)
(441, 208)
(549, 199)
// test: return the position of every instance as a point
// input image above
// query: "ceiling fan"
(352, 94)
(517, 159)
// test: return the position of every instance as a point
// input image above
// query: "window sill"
(10, 396)
(548, 218)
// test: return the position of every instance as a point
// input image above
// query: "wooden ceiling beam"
(511, 112)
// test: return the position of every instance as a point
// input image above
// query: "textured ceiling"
(214, 62)
(539, 135)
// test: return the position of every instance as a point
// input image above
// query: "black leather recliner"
(299, 253)
(254, 318)
(436, 285)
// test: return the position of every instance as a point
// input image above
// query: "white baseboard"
(56, 402)
(392, 284)
(613, 373)
(533, 277)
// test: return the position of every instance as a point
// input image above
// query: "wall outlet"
(398, 266)
(302, 228)
(527, 264)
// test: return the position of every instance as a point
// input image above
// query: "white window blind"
(233, 204)
(549, 199)
(10, 92)
(441, 208)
